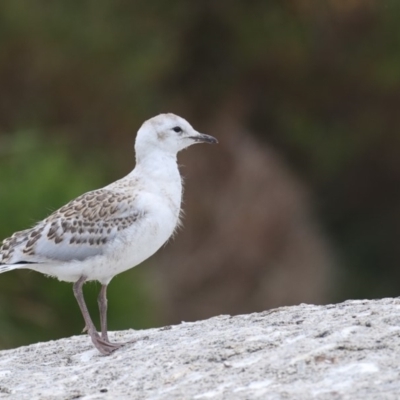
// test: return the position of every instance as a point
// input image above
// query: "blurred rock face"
(249, 240)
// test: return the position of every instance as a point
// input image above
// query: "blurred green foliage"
(317, 80)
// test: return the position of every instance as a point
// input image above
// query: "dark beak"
(204, 138)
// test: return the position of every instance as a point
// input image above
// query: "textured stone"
(343, 351)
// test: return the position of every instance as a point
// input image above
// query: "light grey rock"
(343, 351)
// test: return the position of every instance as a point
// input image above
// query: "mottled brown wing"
(79, 230)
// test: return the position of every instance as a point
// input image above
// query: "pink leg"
(101, 343)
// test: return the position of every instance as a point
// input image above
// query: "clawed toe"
(111, 344)
(105, 347)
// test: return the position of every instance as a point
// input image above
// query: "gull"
(110, 230)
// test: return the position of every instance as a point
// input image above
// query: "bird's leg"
(102, 301)
(103, 346)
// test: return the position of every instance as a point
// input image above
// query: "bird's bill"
(202, 138)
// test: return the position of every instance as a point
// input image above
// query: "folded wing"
(80, 229)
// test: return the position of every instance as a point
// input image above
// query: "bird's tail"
(5, 268)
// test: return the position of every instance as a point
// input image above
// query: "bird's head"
(168, 133)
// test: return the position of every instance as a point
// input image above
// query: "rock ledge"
(342, 351)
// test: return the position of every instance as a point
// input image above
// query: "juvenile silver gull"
(110, 230)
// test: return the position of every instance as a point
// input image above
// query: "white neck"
(159, 173)
(158, 166)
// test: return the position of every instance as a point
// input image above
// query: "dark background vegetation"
(300, 202)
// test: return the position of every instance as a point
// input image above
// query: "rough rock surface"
(343, 351)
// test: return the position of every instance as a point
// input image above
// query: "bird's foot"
(104, 345)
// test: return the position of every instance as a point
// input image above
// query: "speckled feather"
(76, 231)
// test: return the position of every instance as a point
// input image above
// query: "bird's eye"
(177, 129)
